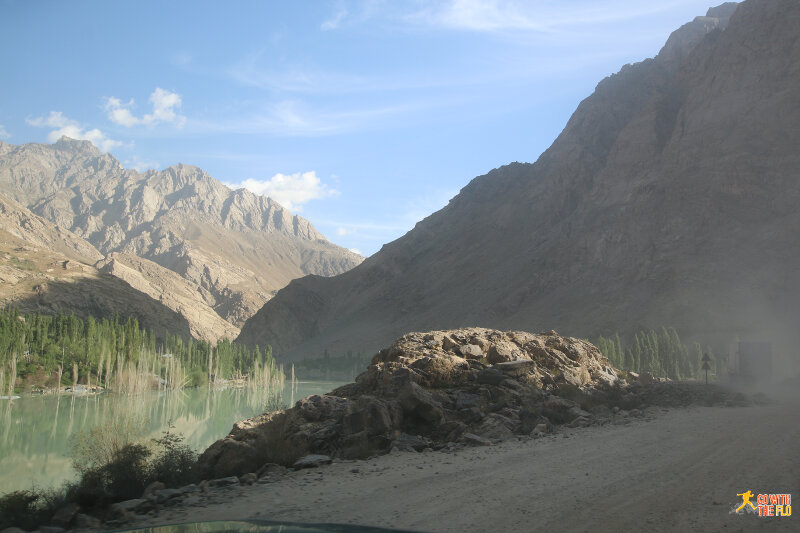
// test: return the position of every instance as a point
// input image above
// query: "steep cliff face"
(669, 199)
(179, 228)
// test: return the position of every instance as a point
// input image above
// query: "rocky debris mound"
(468, 386)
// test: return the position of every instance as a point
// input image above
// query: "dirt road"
(679, 471)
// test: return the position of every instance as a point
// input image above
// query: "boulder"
(419, 404)
(65, 515)
(224, 481)
(408, 443)
(271, 469)
(164, 495)
(370, 415)
(502, 352)
(312, 461)
(516, 368)
(497, 427)
(465, 400)
(475, 440)
(248, 479)
(449, 344)
(153, 487)
(230, 456)
(490, 376)
(321, 407)
(471, 351)
(137, 505)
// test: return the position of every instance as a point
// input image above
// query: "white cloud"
(500, 15)
(166, 105)
(73, 129)
(290, 190)
(483, 15)
(292, 118)
(119, 113)
(334, 22)
(355, 251)
(342, 231)
(4, 133)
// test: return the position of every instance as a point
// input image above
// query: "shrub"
(19, 509)
(102, 444)
(174, 462)
(275, 402)
(198, 378)
(123, 477)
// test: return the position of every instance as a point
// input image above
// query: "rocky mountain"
(47, 269)
(670, 198)
(210, 253)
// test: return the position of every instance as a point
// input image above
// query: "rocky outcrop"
(20, 223)
(179, 228)
(172, 291)
(669, 199)
(427, 388)
(466, 387)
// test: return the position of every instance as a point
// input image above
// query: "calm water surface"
(35, 430)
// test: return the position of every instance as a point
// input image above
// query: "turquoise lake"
(35, 431)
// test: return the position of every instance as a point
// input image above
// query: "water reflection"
(34, 440)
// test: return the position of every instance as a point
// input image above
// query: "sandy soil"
(679, 470)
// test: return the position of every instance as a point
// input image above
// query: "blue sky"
(362, 116)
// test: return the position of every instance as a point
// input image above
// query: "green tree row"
(661, 353)
(48, 351)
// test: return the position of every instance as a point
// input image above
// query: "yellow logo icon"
(746, 501)
(773, 505)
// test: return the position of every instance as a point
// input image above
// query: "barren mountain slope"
(235, 248)
(44, 268)
(669, 199)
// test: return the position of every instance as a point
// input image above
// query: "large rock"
(65, 515)
(312, 461)
(418, 404)
(419, 393)
(420, 385)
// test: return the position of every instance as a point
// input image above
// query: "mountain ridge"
(235, 249)
(632, 218)
(47, 269)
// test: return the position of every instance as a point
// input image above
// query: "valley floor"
(680, 470)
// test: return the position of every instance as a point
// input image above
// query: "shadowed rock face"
(670, 198)
(212, 254)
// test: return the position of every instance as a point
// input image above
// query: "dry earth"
(673, 470)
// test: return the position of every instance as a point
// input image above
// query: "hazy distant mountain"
(670, 198)
(178, 235)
